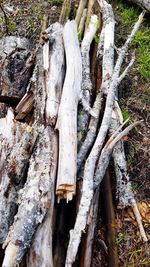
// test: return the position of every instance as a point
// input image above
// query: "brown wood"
(110, 221)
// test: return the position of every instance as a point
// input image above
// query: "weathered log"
(142, 3)
(87, 195)
(40, 253)
(16, 68)
(67, 115)
(16, 143)
(34, 201)
(55, 75)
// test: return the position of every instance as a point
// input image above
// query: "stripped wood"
(54, 76)
(67, 115)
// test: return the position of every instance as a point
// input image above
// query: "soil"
(23, 18)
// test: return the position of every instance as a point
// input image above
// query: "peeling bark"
(34, 201)
(16, 143)
(40, 253)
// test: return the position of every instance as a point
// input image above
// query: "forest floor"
(23, 18)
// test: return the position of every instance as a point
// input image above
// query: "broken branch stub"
(67, 115)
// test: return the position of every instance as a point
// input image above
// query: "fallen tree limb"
(125, 195)
(15, 152)
(106, 152)
(89, 169)
(40, 253)
(34, 201)
(86, 87)
(67, 115)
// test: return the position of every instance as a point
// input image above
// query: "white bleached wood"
(55, 75)
(105, 48)
(46, 56)
(91, 134)
(81, 220)
(106, 152)
(67, 115)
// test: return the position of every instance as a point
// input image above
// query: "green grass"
(128, 15)
(11, 25)
(55, 2)
(141, 42)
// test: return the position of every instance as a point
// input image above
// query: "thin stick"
(82, 5)
(64, 15)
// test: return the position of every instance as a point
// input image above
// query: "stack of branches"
(47, 101)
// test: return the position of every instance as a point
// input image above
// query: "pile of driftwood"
(58, 130)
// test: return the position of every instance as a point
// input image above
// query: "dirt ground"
(23, 18)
